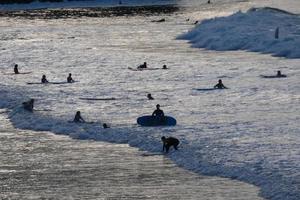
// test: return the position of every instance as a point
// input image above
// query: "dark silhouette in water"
(164, 67)
(16, 70)
(44, 79)
(105, 125)
(168, 142)
(28, 105)
(158, 112)
(277, 33)
(208, 1)
(78, 118)
(279, 74)
(220, 85)
(70, 79)
(142, 66)
(149, 96)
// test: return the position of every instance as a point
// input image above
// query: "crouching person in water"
(168, 142)
(28, 105)
(78, 118)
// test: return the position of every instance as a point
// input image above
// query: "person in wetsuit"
(168, 142)
(149, 96)
(28, 105)
(142, 66)
(44, 80)
(78, 118)
(70, 79)
(164, 67)
(279, 74)
(16, 70)
(158, 112)
(220, 85)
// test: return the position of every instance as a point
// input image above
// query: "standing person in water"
(44, 79)
(149, 96)
(28, 105)
(16, 70)
(70, 79)
(78, 118)
(168, 142)
(158, 112)
(220, 85)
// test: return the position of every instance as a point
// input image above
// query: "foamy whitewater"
(251, 31)
(249, 132)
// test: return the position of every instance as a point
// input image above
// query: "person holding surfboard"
(16, 70)
(168, 142)
(158, 112)
(220, 85)
(44, 79)
(78, 118)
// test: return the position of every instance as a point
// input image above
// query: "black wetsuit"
(70, 80)
(28, 105)
(158, 113)
(78, 118)
(44, 80)
(170, 141)
(16, 70)
(220, 86)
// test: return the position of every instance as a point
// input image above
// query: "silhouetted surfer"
(158, 112)
(208, 1)
(142, 66)
(28, 105)
(164, 67)
(149, 96)
(277, 33)
(16, 70)
(220, 85)
(70, 79)
(44, 80)
(105, 125)
(279, 74)
(78, 118)
(168, 142)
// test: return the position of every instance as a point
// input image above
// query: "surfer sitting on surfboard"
(28, 105)
(168, 142)
(220, 85)
(78, 118)
(149, 96)
(44, 80)
(279, 74)
(142, 66)
(70, 79)
(158, 112)
(16, 70)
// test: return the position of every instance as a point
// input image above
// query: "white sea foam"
(250, 31)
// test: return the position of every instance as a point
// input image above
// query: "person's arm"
(154, 112)
(216, 86)
(81, 119)
(162, 113)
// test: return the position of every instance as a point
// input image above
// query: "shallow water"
(41, 165)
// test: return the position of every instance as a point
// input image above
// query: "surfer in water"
(105, 125)
(164, 67)
(142, 66)
(28, 105)
(158, 112)
(149, 96)
(168, 142)
(220, 85)
(16, 70)
(70, 79)
(78, 118)
(279, 74)
(44, 79)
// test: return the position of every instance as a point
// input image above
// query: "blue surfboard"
(156, 121)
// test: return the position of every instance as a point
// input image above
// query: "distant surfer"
(16, 70)
(70, 79)
(279, 74)
(149, 96)
(44, 79)
(208, 1)
(277, 33)
(164, 67)
(78, 118)
(105, 125)
(220, 85)
(168, 142)
(142, 66)
(28, 105)
(158, 112)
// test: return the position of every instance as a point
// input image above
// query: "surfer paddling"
(168, 142)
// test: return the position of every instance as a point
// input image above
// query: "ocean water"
(249, 132)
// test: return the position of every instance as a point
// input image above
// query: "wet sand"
(41, 165)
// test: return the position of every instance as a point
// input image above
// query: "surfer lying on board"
(220, 85)
(44, 80)
(168, 142)
(158, 112)
(78, 118)
(142, 66)
(28, 105)
(70, 79)
(16, 70)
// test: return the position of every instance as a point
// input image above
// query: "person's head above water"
(157, 106)
(220, 81)
(70, 74)
(163, 138)
(16, 65)
(44, 76)
(78, 113)
(164, 66)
